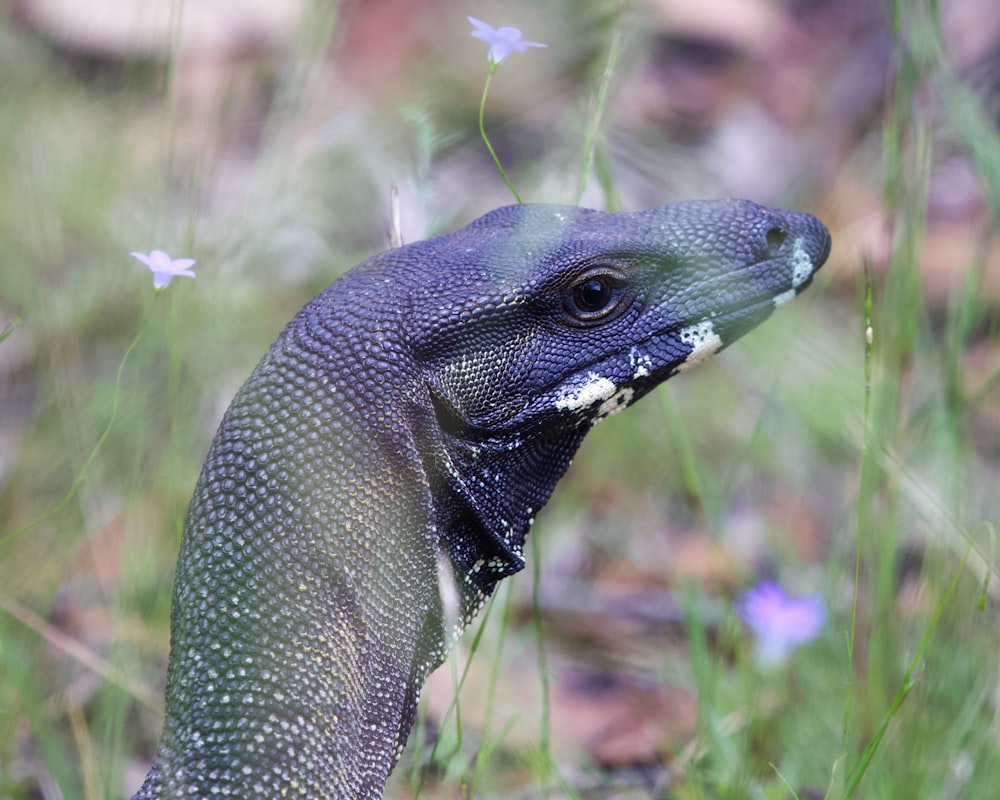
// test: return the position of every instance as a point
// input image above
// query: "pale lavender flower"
(502, 41)
(165, 268)
(781, 623)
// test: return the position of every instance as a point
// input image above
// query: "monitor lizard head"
(538, 321)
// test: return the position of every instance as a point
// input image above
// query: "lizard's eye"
(593, 297)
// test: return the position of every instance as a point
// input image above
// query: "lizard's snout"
(799, 236)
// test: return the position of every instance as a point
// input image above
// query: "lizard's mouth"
(612, 383)
(679, 346)
(605, 386)
(708, 334)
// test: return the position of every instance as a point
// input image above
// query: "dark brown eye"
(593, 295)
(598, 296)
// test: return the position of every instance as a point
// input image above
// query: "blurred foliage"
(271, 160)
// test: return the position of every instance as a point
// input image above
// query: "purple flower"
(165, 268)
(780, 622)
(502, 41)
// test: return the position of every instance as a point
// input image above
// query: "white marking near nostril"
(802, 265)
(802, 269)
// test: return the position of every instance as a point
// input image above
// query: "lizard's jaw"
(604, 388)
(679, 306)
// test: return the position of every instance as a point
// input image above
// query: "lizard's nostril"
(775, 238)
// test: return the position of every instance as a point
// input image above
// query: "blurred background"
(279, 142)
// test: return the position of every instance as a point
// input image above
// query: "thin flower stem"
(545, 732)
(783, 779)
(863, 497)
(82, 473)
(9, 328)
(453, 707)
(486, 141)
(866, 477)
(594, 124)
(484, 753)
(906, 685)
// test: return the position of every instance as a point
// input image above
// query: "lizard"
(377, 474)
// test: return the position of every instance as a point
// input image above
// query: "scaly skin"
(377, 474)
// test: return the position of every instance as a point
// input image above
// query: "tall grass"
(102, 433)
